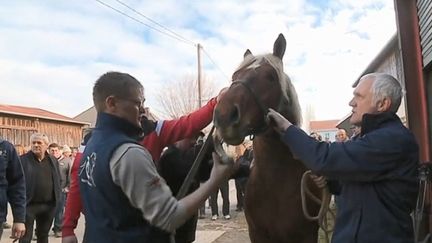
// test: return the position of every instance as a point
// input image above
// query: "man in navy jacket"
(124, 197)
(377, 171)
(12, 188)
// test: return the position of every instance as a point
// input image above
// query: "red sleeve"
(178, 129)
(73, 203)
(152, 143)
(186, 126)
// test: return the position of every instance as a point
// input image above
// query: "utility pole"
(199, 74)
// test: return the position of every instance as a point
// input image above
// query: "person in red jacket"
(160, 135)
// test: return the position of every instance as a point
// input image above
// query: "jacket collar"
(108, 121)
(371, 122)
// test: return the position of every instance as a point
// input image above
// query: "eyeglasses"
(138, 103)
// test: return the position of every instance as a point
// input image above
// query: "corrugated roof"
(36, 112)
(323, 125)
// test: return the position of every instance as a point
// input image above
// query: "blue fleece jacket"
(378, 176)
(12, 183)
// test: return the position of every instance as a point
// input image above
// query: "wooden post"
(199, 74)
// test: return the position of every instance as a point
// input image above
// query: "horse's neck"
(271, 153)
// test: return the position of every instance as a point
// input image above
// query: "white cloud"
(51, 52)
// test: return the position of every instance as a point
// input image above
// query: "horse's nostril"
(235, 115)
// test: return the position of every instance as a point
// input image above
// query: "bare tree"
(180, 97)
(309, 115)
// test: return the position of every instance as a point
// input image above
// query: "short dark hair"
(113, 83)
(54, 145)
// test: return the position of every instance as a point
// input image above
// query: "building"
(388, 60)
(17, 123)
(326, 128)
(89, 116)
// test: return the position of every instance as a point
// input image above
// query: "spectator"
(175, 164)
(12, 189)
(240, 182)
(341, 135)
(224, 190)
(43, 188)
(64, 163)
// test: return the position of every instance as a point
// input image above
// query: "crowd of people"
(38, 180)
(126, 186)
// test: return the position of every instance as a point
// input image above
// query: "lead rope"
(324, 208)
(225, 159)
(192, 173)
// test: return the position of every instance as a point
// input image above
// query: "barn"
(17, 123)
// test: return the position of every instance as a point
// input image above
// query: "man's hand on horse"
(277, 121)
(320, 181)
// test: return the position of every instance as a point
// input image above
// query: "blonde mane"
(290, 100)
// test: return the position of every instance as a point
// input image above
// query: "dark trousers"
(58, 219)
(224, 189)
(186, 232)
(201, 211)
(43, 214)
(1, 229)
(240, 185)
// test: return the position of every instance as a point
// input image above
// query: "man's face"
(130, 108)
(55, 151)
(74, 152)
(362, 103)
(341, 136)
(38, 146)
(67, 154)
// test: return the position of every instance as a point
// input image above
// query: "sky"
(52, 52)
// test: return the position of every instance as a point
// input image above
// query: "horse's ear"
(247, 53)
(279, 46)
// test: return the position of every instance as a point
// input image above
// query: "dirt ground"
(235, 229)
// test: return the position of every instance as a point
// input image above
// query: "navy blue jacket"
(12, 183)
(109, 215)
(378, 177)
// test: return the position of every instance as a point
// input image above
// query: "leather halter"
(262, 107)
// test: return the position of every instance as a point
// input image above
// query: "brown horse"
(273, 202)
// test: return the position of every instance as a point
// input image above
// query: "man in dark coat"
(377, 171)
(12, 189)
(42, 177)
(175, 164)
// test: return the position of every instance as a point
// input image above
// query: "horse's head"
(258, 83)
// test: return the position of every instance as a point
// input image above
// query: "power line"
(171, 33)
(214, 63)
(141, 22)
(154, 22)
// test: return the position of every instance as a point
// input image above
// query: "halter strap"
(263, 108)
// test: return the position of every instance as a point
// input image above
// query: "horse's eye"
(273, 77)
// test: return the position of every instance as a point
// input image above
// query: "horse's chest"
(277, 195)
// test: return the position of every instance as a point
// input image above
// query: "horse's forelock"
(289, 95)
(247, 61)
